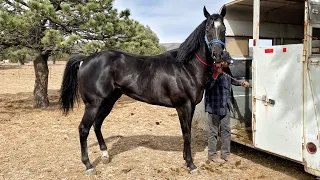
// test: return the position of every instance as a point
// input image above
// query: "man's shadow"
(163, 143)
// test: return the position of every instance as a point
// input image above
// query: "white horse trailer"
(280, 114)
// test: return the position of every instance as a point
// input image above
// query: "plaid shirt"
(217, 94)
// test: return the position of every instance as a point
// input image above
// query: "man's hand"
(245, 84)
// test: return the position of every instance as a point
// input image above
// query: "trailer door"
(277, 97)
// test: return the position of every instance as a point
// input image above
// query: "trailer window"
(315, 40)
(262, 42)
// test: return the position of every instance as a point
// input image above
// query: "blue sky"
(171, 20)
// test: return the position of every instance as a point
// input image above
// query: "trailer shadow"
(275, 163)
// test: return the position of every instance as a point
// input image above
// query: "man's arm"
(240, 83)
(233, 81)
(236, 83)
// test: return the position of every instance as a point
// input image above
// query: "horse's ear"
(223, 11)
(205, 12)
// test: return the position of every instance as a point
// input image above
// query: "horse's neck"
(201, 69)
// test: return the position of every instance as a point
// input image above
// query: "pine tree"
(50, 27)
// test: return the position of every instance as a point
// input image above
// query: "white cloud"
(172, 21)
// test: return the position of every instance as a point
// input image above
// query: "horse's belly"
(151, 98)
(156, 89)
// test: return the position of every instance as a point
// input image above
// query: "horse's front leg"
(185, 113)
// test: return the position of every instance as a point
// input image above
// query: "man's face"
(219, 67)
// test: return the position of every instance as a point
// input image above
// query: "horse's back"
(153, 79)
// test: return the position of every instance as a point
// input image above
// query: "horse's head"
(215, 32)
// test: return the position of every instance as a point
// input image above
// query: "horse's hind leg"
(103, 112)
(84, 128)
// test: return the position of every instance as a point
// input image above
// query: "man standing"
(216, 104)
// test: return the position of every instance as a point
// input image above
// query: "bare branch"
(56, 5)
(21, 2)
(60, 24)
(7, 44)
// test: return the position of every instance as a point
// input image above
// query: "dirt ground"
(144, 141)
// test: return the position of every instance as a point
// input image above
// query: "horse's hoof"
(105, 157)
(105, 160)
(91, 172)
(194, 171)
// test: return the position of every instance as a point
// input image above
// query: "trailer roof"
(266, 5)
(273, 11)
(278, 18)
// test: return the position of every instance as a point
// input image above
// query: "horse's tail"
(69, 88)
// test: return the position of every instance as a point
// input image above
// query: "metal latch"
(314, 11)
(265, 99)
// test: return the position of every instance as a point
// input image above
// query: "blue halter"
(209, 44)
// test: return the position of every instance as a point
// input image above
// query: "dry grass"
(144, 141)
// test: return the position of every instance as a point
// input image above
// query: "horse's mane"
(192, 43)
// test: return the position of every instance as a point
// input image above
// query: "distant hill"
(170, 46)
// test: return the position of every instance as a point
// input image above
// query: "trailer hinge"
(254, 123)
(304, 55)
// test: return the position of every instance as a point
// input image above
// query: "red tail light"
(311, 147)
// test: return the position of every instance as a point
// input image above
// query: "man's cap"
(226, 57)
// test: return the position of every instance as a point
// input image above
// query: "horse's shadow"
(163, 143)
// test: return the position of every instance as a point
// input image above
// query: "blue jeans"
(214, 122)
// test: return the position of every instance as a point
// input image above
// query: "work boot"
(215, 159)
(226, 160)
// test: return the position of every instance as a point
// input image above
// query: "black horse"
(175, 79)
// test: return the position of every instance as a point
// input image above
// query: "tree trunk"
(41, 71)
(21, 62)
